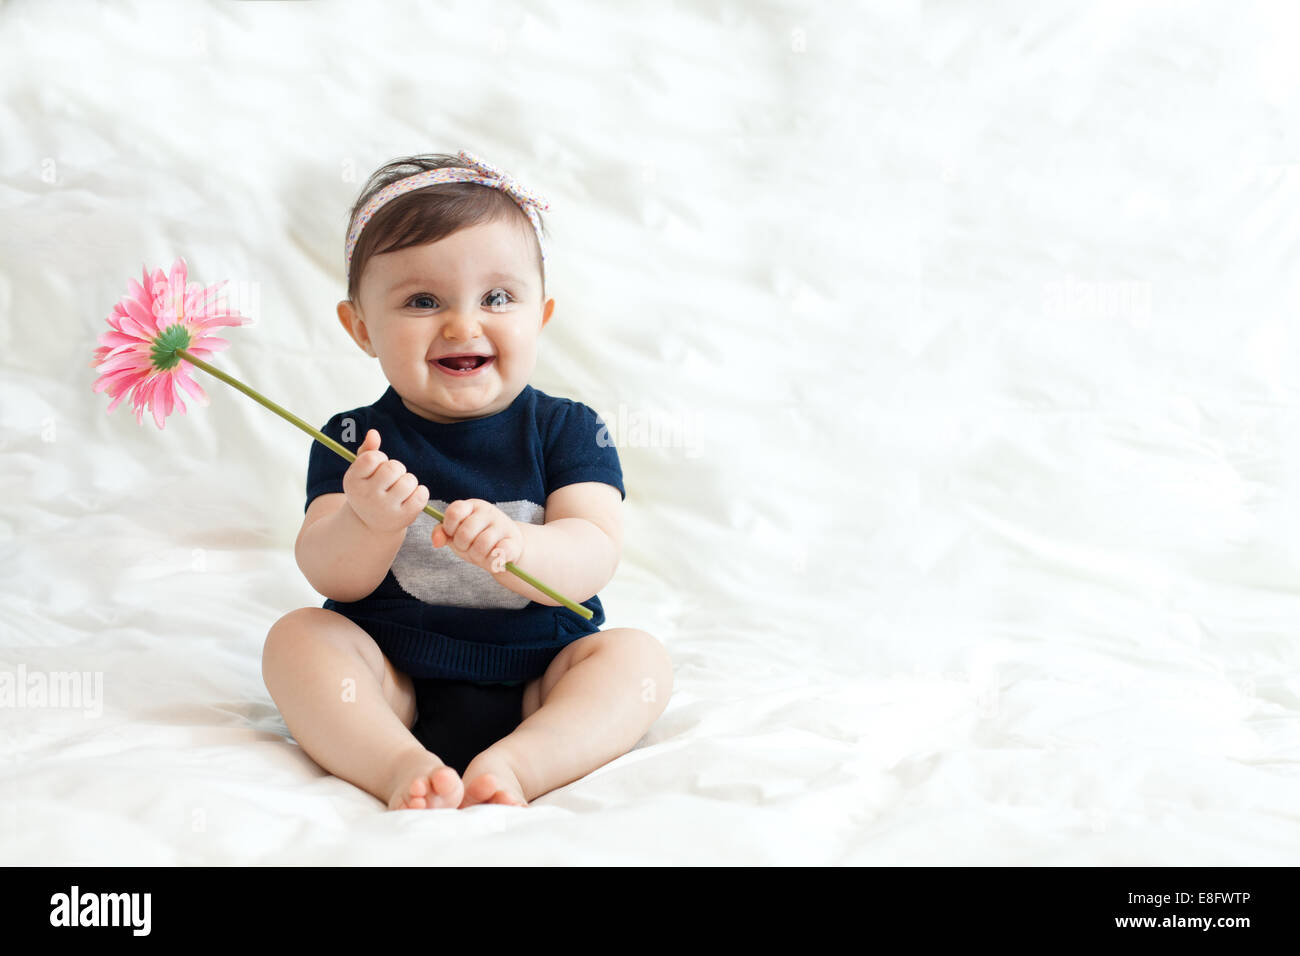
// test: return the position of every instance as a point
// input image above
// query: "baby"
(432, 676)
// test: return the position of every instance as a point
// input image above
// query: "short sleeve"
(326, 467)
(579, 447)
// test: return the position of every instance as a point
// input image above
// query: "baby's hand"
(385, 496)
(481, 533)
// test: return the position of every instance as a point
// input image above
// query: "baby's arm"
(577, 550)
(348, 541)
(574, 553)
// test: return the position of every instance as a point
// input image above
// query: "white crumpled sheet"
(970, 519)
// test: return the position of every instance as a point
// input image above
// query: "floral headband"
(477, 172)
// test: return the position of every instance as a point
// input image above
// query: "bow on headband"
(475, 171)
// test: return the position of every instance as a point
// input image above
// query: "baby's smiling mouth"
(462, 362)
(465, 363)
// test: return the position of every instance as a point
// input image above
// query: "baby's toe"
(417, 793)
(487, 789)
(446, 788)
(432, 789)
(508, 797)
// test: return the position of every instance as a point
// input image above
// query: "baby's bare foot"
(421, 781)
(491, 778)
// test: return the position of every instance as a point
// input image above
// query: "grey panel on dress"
(438, 576)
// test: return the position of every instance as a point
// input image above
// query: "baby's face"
(475, 292)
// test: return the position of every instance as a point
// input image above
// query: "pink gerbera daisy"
(154, 319)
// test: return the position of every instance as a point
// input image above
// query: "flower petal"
(200, 300)
(118, 351)
(216, 303)
(123, 355)
(176, 284)
(145, 330)
(225, 318)
(142, 315)
(113, 339)
(209, 342)
(158, 398)
(168, 392)
(140, 398)
(191, 386)
(120, 395)
(111, 379)
(176, 398)
(128, 359)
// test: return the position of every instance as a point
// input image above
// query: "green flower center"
(163, 354)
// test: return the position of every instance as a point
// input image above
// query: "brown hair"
(427, 214)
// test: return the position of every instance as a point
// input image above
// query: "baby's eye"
(500, 292)
(416, 299)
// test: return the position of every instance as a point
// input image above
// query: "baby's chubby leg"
(597, 698)
(351, 711)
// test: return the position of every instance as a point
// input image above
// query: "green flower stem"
(332, 445)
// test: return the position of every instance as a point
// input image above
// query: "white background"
(970, 523)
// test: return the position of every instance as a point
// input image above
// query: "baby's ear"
(352, 322)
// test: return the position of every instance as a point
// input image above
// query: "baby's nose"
(459, 325)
